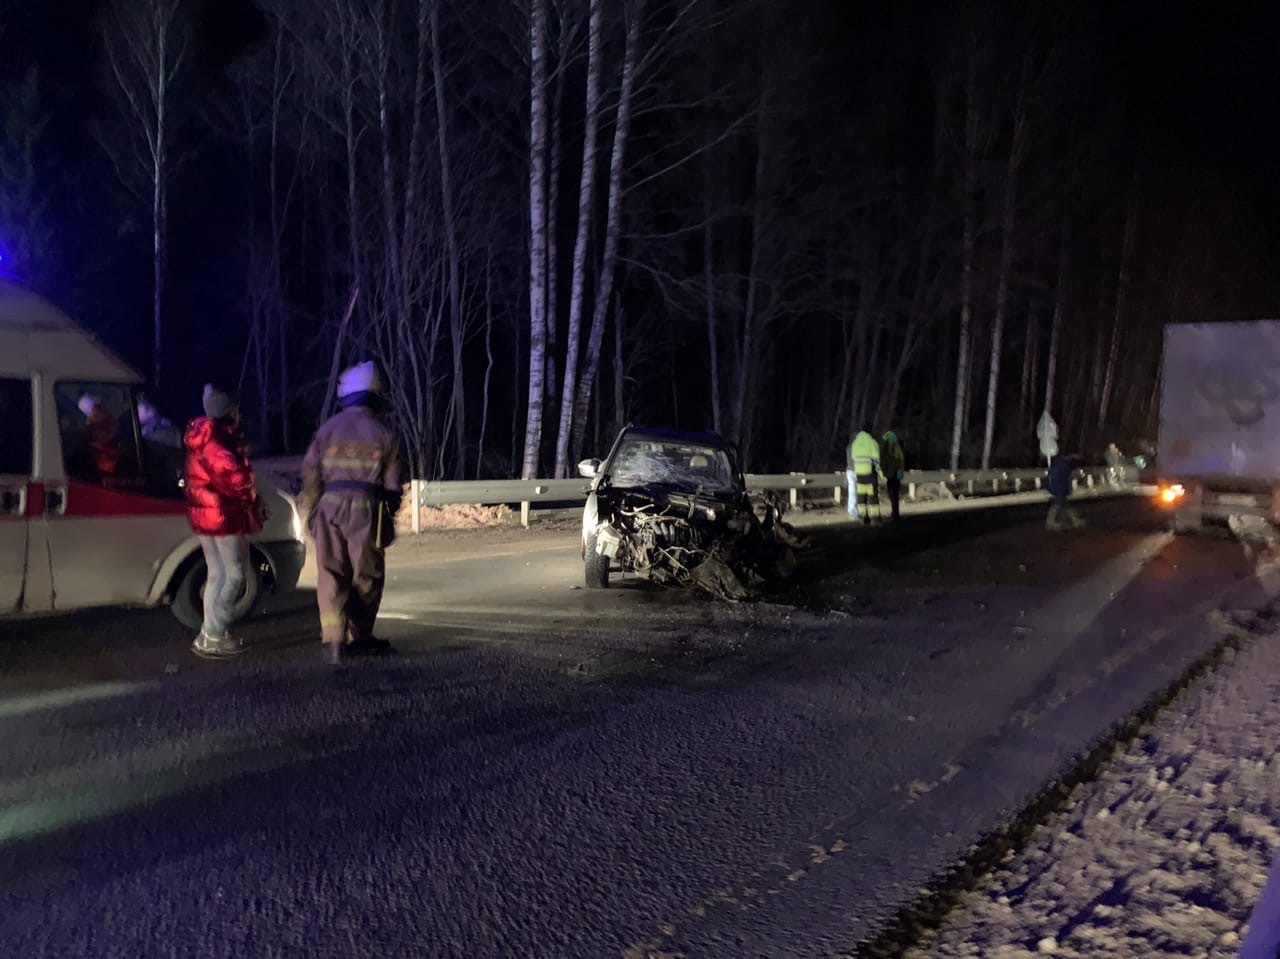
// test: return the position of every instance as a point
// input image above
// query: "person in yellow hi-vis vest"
(864, 463)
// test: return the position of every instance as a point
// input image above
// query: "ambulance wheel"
(188, 596)
(596, 566)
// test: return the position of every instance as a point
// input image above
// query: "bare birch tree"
(586, 207)
(537, 234)
(146, 43)
(1059, 307)
(449, 226)
(1122, 294)
(1017, 145)
(613, 223)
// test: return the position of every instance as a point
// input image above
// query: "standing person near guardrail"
(893, 463)
(351, 493)
(1058, 483)
(864, 462)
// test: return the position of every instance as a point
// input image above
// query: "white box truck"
(1219, 445)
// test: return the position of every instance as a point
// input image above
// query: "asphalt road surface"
(544, 770)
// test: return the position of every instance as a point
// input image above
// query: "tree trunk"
(967, 267)
(1027, 384)
(555, 122)
(335, 362)
(586, 198)
(1002, 285)
(157, 271)
(1122, 291)
(279, 309)
(160, 174)
(966, 312)
(613, 225)
(457, 326)
(709, 292)
(1059, 305)
(747, 345)
(537, 235)
(488, 355)
(619, 372)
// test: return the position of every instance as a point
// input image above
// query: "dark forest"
(547, 218)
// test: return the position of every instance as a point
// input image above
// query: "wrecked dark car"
(672, 507)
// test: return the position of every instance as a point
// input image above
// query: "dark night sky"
(1205, 76)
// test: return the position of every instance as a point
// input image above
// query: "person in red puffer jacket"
(223, 509)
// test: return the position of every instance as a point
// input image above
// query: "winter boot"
(211, 648)
(367, 645)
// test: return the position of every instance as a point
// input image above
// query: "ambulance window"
(16, 429)
(98, 424)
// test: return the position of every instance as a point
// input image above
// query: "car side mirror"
(587, 469)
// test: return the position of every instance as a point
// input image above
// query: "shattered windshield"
(646, 461)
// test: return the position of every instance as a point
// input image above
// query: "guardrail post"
(838, 492)
(911, 491)
(415, 498)
(524, 513)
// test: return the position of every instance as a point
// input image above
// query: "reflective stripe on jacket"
(353, 451)
(864, 454)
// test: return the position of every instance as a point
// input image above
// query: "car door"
(17, 454)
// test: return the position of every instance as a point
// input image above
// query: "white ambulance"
(78, 529)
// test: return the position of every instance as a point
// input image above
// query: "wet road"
(544, 770)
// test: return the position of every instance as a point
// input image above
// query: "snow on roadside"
(1164, 854)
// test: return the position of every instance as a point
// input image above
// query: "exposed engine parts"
(724, 548)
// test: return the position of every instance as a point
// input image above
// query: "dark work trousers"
(894, 486)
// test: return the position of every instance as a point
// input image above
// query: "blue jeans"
(852, 479)
(227, 559)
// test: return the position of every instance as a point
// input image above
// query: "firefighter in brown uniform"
(350, 493)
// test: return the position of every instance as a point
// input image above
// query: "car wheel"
(188, 597)
(595, 565)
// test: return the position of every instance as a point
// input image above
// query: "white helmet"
(364, 377)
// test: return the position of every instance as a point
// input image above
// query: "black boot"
(367, 645)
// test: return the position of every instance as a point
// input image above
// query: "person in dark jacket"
(1058, 483)
(350, 494)
(224, 510)
(893, 463)
(155, 427)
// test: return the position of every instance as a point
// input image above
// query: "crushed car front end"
(672, 508)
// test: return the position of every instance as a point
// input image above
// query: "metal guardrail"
(528, 492)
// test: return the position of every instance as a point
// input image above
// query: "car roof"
(705, 437)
